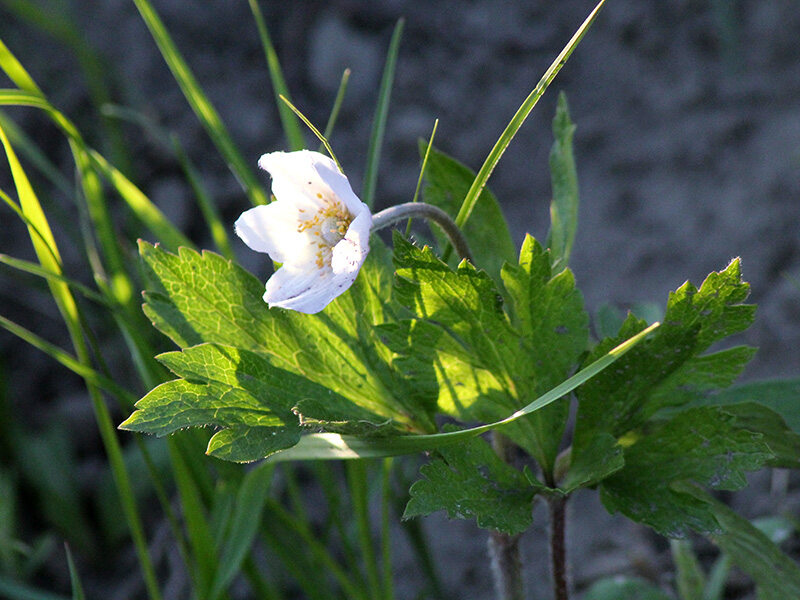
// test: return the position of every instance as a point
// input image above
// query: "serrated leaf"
(328, 446)
(777, 576)
(548, 312)
(447, 182)
(470, 481)
(482, 364)
(705, 445)
(179, 404)
(564, 180)
(195, 298)
(645, 381)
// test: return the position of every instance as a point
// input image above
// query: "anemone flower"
(316, 227)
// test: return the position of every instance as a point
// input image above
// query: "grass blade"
(381, 113)
(36, 157)
(337, 105)
(519, 118)
(77, 586)
(245, 523)
(48, 255)
(200, 104)
(291, 126)
(36, 269)
(359, 493)
(140, 205)
(332, 446)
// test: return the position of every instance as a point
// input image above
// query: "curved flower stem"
(409, 210)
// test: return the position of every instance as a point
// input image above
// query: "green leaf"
(564, 179)
(196, 298)
(654, 375)
(330, 446)
(625, 588)
(548, 312)
(446, 184)
(465, 302)
(777, 576)
(470, 481)
(603, 457)
(705, 445)
(780, 395)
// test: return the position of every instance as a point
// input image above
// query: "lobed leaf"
(667, 369)
(471, 481)
(704, 445)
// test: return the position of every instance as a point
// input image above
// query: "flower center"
(329, 225)
(333, 228)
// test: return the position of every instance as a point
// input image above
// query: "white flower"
(317, 227)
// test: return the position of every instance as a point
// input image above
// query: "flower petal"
(351, 251)
(305, 290)
(302, 177)
(273, 229)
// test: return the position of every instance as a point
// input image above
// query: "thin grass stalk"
(381, 114)
(219, 233)
(200, 104)
(317, 550)
(291, 127)
(337, 105)
(60, 25)
(386, 537)
(517, 120)
(359, 493)
(422, 171)
(196, 523)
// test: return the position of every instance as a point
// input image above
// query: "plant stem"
(409, 210)
(558, 548)
(504, 548)
(506, 565)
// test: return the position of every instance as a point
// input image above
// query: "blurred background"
(687, 146)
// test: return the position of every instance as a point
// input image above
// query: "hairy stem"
(558, 548)
(409, 210)
(506, 565)
(504, 551)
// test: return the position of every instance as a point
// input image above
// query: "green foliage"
(446, 183)
(564, 179)
(776, 575)
(254, 371)
(706, 445)
(470, 481)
